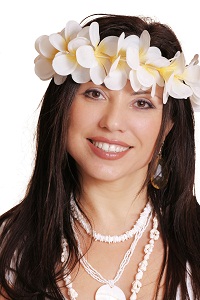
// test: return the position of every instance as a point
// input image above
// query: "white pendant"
(105, 292)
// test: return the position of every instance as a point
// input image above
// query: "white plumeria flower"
(97, 56)
(192, 78)
(182, 81)
(65, 62)
(119, 70)
(43, 62)
(49, 47)
(144, 62)
(195, 83)
(195, 101)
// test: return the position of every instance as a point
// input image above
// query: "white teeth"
(109, 147)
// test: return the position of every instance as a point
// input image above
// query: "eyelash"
(148, 103)
(89, 94)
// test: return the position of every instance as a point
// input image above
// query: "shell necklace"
(108, 238)
(109, 291)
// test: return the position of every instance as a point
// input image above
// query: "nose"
(113, 117)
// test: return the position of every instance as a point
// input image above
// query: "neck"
(112, 206)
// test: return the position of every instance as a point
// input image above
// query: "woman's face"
(112, 134)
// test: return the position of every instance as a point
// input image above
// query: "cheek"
(80, 119)
(75, 116)
(75, 121)
(148, 126)
(147, 131)
(81, 115)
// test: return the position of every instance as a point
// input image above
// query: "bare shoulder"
(5, 295)
(2, 298)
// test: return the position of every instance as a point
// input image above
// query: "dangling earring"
(161, 175)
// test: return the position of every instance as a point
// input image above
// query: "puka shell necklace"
(108, 238)
(109, 291)
(111, 283)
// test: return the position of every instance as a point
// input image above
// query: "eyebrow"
(141, 92)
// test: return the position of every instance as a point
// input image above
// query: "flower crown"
(78, 51)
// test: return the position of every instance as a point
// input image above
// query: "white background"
(21, 22)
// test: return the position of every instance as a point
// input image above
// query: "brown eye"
(143, 104)
(94, 94)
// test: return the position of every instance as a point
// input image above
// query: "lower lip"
(107, 155)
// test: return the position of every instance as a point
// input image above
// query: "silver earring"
(160, 177)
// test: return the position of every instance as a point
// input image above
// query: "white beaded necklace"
(109, 290)
(108, 238)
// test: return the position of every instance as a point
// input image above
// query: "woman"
(110, 211)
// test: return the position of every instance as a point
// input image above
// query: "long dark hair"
(33, 229)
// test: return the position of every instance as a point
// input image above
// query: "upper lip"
(109, 141)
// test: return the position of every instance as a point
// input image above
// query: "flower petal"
(135, 84)
(76, 43)
(146, 78)
(116, 80)
(195, 60)
(132, 57)
(144, 42)
(192, 75)
(72, 29)
(196, 91)
(154, 57)
(97, 74)
(165, 95)
(131, 41)
(94, 34)
(195, 101)
(84, 32)
(58, 42)
(64, 64)
(153, 52)
(177, 89)
(114, 65)
(45, 47)
(43, 68)
(58, 79)
(120, 41)
(85, 56)
(108, 45)
(178, 64)
(81, 75)
(37, 43)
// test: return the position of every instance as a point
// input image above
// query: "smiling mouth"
(109, 147)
